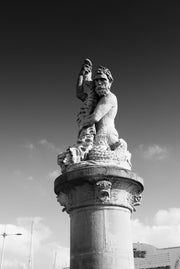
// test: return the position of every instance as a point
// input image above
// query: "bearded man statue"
(98, 139)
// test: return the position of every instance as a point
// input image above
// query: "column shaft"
(101, 238)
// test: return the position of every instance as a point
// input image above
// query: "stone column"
(100, 201)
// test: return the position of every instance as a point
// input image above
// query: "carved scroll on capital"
(103, 191)
(63, 199)
(134, 200)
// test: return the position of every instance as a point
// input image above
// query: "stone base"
(100, 201)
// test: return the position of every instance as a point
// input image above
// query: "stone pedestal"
(100, 201)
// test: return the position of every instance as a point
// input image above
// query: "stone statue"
(98, 140)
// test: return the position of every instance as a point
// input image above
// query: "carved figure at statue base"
(98, 140)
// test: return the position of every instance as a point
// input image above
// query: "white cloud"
(44, 142)
(17, 248)
(62, 254)
(170, 217)
(165, 231)
(14, 264)
(20, 245)
(15, 244)
(31, 178)
(153, 152)
(30, 146)
(40, 231)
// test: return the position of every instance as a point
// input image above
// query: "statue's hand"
(86, 67)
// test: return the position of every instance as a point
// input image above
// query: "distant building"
(149, 257)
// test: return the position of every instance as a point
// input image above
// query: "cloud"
(15, 244)
(20, 244)
(31, 178)
(59, 254)
(48, 145)
(40, 231)
(63, 256)
(43, 143)
(153, 152)
(14, 264)
(170, 217)
(165, 231)
(17, 248)
(29, 146)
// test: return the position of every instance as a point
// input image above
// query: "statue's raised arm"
(84, 80)
(98, 140)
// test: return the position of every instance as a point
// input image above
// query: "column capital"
(98, 186)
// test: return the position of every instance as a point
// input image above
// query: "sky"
(42, 49)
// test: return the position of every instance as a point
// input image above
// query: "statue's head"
(102, 81)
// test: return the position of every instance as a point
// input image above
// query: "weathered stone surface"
(99, 201)
(97, 188)
(95, 185)
(101, 238)
(98, 139)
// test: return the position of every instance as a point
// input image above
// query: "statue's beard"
(102, 90)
